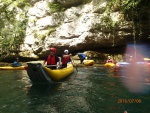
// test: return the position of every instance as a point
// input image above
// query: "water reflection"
(91, 90)
(69, 96)
(43, 89)
(40, 98)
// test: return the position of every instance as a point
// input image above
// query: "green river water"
(91, 90)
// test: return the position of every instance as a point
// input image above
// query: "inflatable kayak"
(88, 62)
(109, 64)
(13, 68)
(38, 73)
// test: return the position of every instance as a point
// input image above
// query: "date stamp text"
(126, 101)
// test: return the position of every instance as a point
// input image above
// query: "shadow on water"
(42, 98)
(43, 89)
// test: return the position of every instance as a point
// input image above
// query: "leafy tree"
(13, 21)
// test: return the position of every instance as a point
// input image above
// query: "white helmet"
(66, 51)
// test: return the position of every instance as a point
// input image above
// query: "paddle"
(51, 65)
(73, 65)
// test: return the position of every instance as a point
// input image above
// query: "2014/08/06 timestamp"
(129, 101)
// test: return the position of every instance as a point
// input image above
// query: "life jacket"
(111, 61)
(65, 59)
(51, 60)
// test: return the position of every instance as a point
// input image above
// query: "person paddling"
(65, 59)
(52, 59)
(82, 56)
(109, 60)
(16, 63)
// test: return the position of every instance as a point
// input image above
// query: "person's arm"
(44, 61)
(79, 55)
(113, 61)
(84, 55)
(58, 60)
(72, 62)
(106, 61)
(66, 55)
(61, 58)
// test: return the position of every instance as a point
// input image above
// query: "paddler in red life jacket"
(65, 59)
(109, 60)
(52, 59)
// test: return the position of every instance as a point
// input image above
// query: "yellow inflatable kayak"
(88, 62)
(109, 64)
(59, 74)
(39, 74)
(13, 68)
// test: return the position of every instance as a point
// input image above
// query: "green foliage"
(133, 10)
(40, 37)
(23, 3)
(50, 30)
(43, 36)
(12, 30)
(12, 36)
(136, 11)
(107, 23)
(35, 34)
(129, 8)
(55, 7)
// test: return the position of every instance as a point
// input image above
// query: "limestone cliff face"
(75, 25)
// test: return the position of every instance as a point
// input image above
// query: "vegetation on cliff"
(13, 19)
(13, 22)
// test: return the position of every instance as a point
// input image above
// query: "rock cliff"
(78, 25)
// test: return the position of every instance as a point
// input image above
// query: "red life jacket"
(65, 60)
(109, 60)
(51, 60)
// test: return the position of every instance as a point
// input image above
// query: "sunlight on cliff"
(29, 40)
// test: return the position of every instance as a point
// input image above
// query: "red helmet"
(53, 49)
